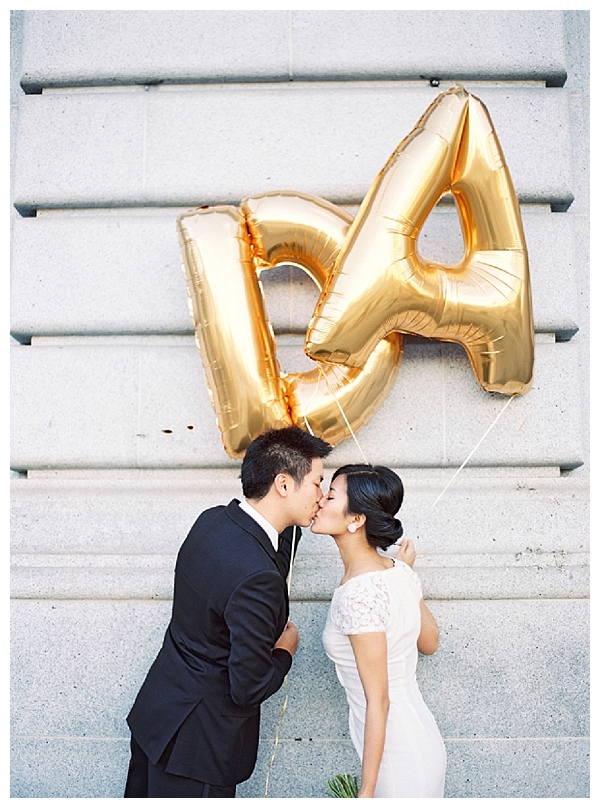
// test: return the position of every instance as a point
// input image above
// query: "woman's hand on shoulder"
(407, 552)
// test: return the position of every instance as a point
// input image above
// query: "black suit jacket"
(217, 663)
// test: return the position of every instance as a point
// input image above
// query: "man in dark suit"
(229, 645)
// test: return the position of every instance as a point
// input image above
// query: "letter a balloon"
(380, 283)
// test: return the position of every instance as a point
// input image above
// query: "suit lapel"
(246, 522)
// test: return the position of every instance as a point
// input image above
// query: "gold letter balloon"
(374, 285)
(380, 284)
(224, 250)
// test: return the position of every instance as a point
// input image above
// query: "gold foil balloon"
(289, 228)
(223, 252)
(294, 228)
(380, 284)
(374, 283)
(236, 345)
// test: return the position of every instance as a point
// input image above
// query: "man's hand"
(407, 552)
(289, 639)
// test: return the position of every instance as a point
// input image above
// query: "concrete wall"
(120, 121)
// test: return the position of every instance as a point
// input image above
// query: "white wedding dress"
(414, 757)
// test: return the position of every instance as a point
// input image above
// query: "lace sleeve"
(362, 605)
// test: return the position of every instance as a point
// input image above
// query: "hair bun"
(377, 493)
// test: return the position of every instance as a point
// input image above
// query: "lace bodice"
(361, 605)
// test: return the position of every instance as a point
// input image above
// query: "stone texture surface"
(99, 273)
(487, 692)
(141, 147)
(536, 769)
(530, 510)
(115, 537)
(529, 769)
(78, 47)
(42, 767)
(413, 44)
(144, 403)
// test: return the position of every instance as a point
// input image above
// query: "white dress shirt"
(260, 520)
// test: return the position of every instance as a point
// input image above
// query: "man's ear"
(281, 484)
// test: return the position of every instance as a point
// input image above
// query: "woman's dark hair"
(290, 450)
(377, 493)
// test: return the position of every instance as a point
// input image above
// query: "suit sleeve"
(253, 613)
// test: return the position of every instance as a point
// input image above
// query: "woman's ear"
(358, 520)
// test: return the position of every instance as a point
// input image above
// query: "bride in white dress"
(376, 624)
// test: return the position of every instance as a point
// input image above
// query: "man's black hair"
(290, 450)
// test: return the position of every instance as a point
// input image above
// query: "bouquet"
(342, 785)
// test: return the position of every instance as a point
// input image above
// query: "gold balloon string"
(283, 709)
(294, 543)
(470, 455)
(291, 298)
(307, 424)
(285, 680)
(346, 421)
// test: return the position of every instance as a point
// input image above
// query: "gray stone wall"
(122, 120)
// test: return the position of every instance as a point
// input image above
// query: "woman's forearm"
(428, 640)
(370, 652)
(374, 740)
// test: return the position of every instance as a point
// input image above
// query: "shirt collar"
(262, 522)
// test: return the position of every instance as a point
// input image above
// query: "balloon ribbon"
(471, 453)
(286, 682)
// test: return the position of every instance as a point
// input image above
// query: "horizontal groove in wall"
(267, 738)
(161, 478)
(140, 86)
(145, 561)
(534, 576)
